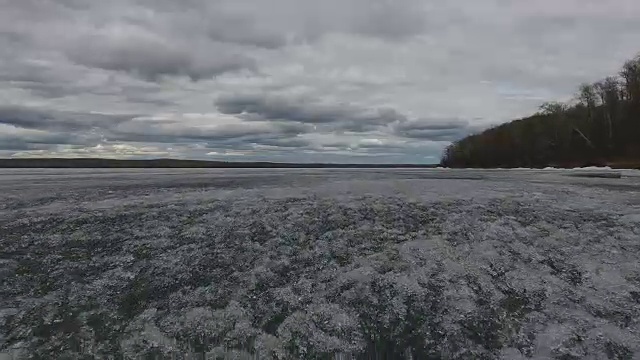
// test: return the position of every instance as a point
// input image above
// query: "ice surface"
(399, 263)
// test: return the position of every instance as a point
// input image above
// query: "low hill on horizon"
(176, 163)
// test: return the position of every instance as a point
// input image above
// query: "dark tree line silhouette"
(600, 127)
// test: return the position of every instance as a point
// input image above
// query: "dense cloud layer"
(290, 80)
(336, 115)
(151, 57)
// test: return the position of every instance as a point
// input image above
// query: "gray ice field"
(319, 264)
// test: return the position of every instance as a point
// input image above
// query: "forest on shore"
(601, 126)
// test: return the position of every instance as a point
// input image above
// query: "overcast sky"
(291, 80)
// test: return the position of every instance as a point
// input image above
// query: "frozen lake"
(394, 263)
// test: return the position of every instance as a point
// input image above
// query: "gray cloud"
(434, 129)
(391, 20)
(152, 58)
(32, 126)
(17, 138)
(242, 30)
(41, 119)
(340, 116)
(31, 141)
(175, 131)
(272, 24)
(436, 135)
(288, 143)
(198, 39)
(433, 124)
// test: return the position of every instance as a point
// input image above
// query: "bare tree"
(552, 108)
(609, 92)
(587, 95)
(630, 73)
(557, 110)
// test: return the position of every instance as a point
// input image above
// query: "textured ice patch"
(387, 264)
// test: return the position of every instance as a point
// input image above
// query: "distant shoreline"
(97, 163)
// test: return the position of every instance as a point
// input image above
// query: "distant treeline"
(174, 163)
(600, 127)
